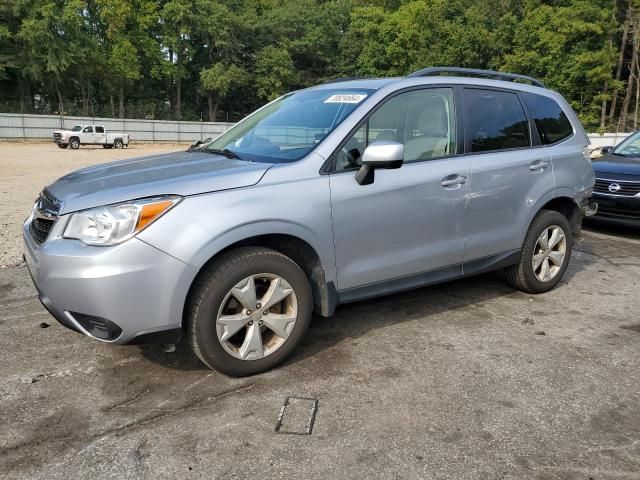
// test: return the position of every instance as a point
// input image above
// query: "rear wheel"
(248, 311)
(545, 254)
(74, 143)
(117, 144)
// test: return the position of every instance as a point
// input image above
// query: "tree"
(217, 81)
(53, 37)
(275, 73)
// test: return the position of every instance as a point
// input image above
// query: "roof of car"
(465, 76)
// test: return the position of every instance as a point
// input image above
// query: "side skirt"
(431, 277)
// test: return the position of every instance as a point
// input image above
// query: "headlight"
(114, 224)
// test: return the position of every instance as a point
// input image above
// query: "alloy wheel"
(549, 253)
(257, 316)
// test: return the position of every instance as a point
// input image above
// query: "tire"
(106, 146)
(522, 275)
(212, 299)
(117, 144)
(74, 143)
(62, 145)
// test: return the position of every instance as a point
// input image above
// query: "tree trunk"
(623, 45)
(212, 113)
(635, 112)
(60, 100)
(603, 109)
(84, 99)
(113, 106)
(121, 102)
(178, 98)
(21, 93)
(629, 93)
(179, 83)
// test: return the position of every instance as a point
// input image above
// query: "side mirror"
(605, 150)
(381, 154)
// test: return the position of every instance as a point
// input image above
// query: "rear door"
(411, 220)
(508, 175)
(100, 135)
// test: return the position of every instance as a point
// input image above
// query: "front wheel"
(74, 143)
(248, 311)
(62, 145)
(545, 254)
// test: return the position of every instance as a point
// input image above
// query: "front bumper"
(127, 293)
(616, 207)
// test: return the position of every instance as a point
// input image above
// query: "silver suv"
(328, 195)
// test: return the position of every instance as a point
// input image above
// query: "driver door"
(409, 224)
(87, 135)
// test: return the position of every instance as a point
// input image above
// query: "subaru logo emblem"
(614, 187)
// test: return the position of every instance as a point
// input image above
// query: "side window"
(99, 129)
(551, 122)
(496, 120)
(422, 120)
(88, 130)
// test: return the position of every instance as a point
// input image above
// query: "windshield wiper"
(224, 152)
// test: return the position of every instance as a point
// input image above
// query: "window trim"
(467, 140)
(329, 166)
(543, 145)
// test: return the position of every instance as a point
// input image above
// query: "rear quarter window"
(551, 121)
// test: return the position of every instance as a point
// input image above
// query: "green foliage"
(190, 58)
(275, 72)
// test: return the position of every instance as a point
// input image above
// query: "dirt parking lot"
(26, 168)
(465, 380)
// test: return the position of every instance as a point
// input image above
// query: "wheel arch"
(567, 207)
(298, 250)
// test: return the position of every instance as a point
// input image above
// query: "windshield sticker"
(346, 98)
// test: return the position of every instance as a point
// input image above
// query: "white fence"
(34, 127)
(606, 139)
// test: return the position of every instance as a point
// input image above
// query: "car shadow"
(612, 227)
(357, 319)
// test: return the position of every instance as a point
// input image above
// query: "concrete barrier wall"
(36, 127)
(606, 139)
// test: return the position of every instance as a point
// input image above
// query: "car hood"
(617, 165)
(180, 173)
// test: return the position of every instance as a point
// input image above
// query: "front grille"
(57, 136)
(45, 213)
(40, 229)
(624, 189)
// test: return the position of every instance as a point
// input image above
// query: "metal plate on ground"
(297, 416)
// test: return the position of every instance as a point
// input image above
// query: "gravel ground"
(465, 380)
(26, 168)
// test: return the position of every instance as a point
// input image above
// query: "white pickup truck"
(90, 135)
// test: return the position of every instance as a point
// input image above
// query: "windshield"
(77, 128)
(290, 127)
(629, 147)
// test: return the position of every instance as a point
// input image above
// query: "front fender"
(201, 226)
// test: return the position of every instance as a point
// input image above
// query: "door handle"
(453, 180)
(538, 165)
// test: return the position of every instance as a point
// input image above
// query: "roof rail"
(473, 72)
(343, 79)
